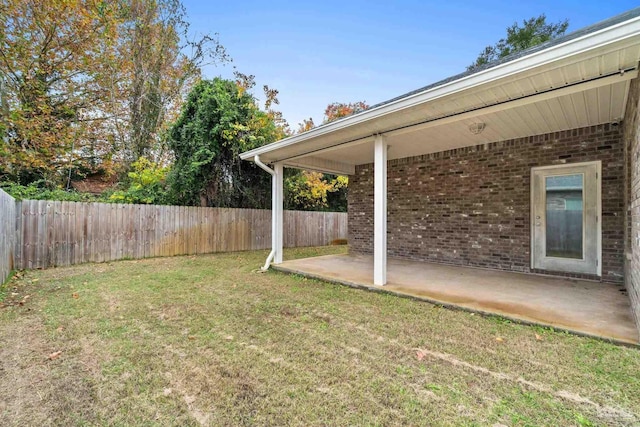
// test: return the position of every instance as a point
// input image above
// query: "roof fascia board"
(588, 42)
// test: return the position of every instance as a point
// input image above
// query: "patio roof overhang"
(579, 80)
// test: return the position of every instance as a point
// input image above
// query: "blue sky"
(316, 53)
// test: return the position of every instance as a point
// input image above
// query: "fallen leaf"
(499, 339)
(34, 280)
(59, 329)
(420, 354)
(538, 337)
(191, 337)
(167, 391)
(75, 295)
(54, 355)
(228, 337)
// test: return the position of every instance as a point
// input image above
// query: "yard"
(208, 340)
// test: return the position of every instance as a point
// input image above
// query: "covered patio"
(527, 169)
(580, 306)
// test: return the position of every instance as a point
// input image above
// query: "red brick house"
(529, 165)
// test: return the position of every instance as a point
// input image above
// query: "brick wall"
(471, 206)
(631, 138)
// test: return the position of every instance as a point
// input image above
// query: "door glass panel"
(564, 214)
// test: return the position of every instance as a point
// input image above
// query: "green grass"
(210, 340)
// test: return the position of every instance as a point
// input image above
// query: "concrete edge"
(451, 306)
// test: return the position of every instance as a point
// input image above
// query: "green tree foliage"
(533, 32)
(42, 190)
(307, 190)
(146, 184)
(315, 191)
(219, 121)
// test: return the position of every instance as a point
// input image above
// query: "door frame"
(532, 225)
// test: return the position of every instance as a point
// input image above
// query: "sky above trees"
(316, 53)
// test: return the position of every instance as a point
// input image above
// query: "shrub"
(41, 190)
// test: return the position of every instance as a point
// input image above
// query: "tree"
(220, 120)
(88, 84)
(157, 64)
(51, 82)
(309, 190)
(533, 32)
(146, 184)
(307, 124)
(338, 110)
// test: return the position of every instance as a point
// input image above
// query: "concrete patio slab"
(584, 307)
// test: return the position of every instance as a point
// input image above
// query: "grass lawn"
(209, 340)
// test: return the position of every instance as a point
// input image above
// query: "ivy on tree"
(220, 120)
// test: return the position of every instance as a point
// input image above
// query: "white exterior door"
(565, 218)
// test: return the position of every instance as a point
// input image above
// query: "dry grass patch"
(209, 340)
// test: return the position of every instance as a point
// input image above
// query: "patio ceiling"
(581, 82)
(584, 108)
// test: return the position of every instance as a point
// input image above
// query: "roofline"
(590, 41)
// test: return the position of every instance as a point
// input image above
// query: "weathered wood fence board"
(64, 233)
(7, 235)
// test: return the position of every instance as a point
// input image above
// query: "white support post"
(380, 212)
(277, 202)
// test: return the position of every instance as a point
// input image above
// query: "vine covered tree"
(220, 120)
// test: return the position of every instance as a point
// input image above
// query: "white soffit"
(573, 90)
(604, 104)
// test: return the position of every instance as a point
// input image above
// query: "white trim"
(380, 212)
(555, 53)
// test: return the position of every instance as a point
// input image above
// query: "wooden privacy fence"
(7, 234)
(50, 233)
